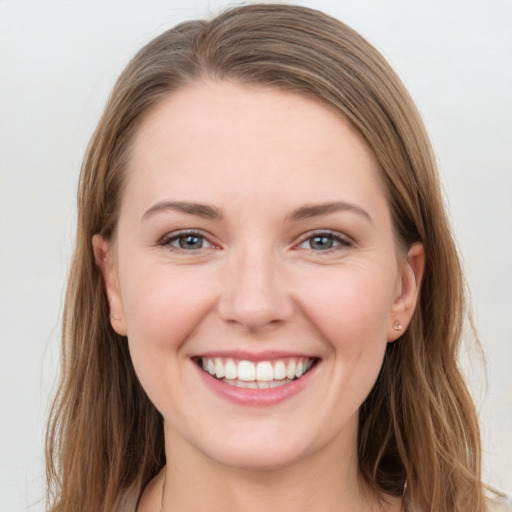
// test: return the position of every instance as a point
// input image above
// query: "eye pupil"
(321, 242)
(190, 242)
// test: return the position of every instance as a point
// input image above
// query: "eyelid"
(344, 240)
(167, 239)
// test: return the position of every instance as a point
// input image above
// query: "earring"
(397, 326)
(118, 318)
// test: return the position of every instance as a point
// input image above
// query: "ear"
(408, 292)
(103, 254)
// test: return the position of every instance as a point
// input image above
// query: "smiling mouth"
(261, 375)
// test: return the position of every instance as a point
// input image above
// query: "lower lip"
(256, 397)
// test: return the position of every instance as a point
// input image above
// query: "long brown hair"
(418, 430)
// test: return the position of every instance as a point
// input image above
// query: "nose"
(255, 293)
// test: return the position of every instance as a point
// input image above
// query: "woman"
(265, 303)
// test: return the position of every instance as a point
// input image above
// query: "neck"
(323, 481)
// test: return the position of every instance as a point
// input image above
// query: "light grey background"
(58, 61)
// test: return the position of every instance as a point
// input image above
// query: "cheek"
(163, 307)
(351, 306)
(351, 310)
(163, 304)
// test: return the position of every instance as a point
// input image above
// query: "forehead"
(229, 141)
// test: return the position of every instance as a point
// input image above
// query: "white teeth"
(262, 374)
(279, 370)
(264, 371)
(246, 371)
(230, 370)
(290, 370)
(255, 384)
(219, 368)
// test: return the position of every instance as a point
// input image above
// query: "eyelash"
(167, 240)
(342, 241)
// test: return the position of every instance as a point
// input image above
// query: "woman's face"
(255, 243)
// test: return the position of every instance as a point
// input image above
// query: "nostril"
(255, 293)
(255, 310)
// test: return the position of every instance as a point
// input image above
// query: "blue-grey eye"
(190, 242)
(321, 242)
(186, 241)
(324, 242)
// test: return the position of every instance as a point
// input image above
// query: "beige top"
(495, 504)
(500, 504)
(129, 501)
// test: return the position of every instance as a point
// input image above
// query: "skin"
(258, 283)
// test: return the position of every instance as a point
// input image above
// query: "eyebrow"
(211, 212)
(201, 210)
(317, 210)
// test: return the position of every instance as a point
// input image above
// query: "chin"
(257, 459)
(261, 451)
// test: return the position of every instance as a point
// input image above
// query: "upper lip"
(243, 355)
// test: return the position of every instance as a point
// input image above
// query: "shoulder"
(499, 503)
(129, 501)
